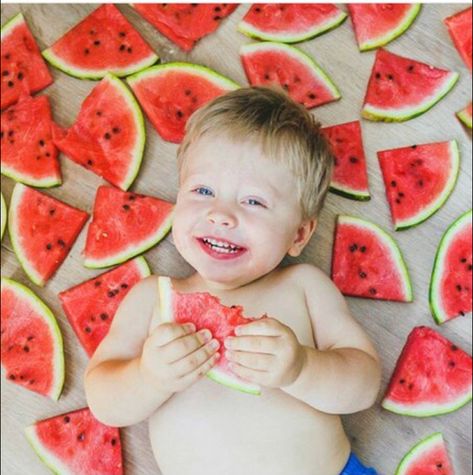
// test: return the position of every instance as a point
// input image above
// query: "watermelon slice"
(42, 231)
(377, 24)
(465, 115)
(460, 29)
(32, 351)
(350, 178)
(450, 286)
(206, 311)
(124, 225)
(28, 153)
(290, 23)
(418, 180)
(3, 215)
(108, 136)
(432, 376)
(368, 263)
(91, 305)
(277, 63)
(185, 24)
(428, 457)
(23, 69)
(171, 92)
(400, 88)
(77, 443)
(104, 42)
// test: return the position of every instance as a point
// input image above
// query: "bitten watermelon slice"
(185, 24)
(418, 180)
(108, 136)
(465, 115)
(400, 88)
(104, 42)
(3, 215)
(23, 69)
(32, 351)
(291, 22)
(376, 24)
(28, 153)
(432, 376)
(171, 92)
(124, 225)
(428, 457)
(42, 231)
(206, 311)
(350, 178)
(450, 286)
(368, 263)
(277, 63)
(460, 29)
(77, 444)
(91, 305)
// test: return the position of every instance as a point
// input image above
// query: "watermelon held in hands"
(32, 350)
(104, 42)
(400, 88)
(460, 30)
(465, 115)
(3, 215)
(450, 293)
(77, 443)
(432, 376)
(23, 69)
(290, 23)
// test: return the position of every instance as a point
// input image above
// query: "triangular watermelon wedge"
(465, 115)
(401, 88)
(124, 225)
(460, 30)
(432, 376)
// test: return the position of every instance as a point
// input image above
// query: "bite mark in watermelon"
(418, 180)
(298, 74)
(185, 24)
(3, 215)
(460, 30)
(77, 443)
(42, 231)
(104, 42)
(432, 376)
(290, 23)
(28, 153)
(465, 115)
(32, 350)
(368, 263)
(23, 69)
(91, 306)
(450, 293)
(350, 178)
(124, 225)
(401, 88)
(108, 136)
(170, 93)
(206, 311)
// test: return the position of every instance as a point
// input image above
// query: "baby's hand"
(175, 356)
(265, 352)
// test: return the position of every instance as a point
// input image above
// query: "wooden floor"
(379, 437)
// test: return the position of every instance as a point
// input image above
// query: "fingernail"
(190, 327)
(214, 344)
(205, 334)
(228, 342)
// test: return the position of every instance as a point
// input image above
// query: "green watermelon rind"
(215, 374)
(437, 270)
(45, 312)
(47, 182)
(350, 193)
(465, 118)
(331, 23)
(3, 215)
(8, 27)
(391, 35)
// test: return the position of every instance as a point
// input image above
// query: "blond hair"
(286, 131)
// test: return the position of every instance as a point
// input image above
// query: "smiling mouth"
(221, 246)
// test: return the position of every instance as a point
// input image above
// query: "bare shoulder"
(309, 278)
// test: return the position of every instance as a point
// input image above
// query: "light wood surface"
(379, 437)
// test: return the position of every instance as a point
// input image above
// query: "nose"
(221, 217)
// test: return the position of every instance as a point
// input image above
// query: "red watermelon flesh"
(350, 178)
(432, 376)
(367, 262)
(460, 29)
(42, 231)
(23, 69)
(28, 154)
(185, 24)
(465, 115)
(91, 305)
(77, 443)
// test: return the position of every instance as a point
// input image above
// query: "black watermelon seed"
(52, 211)
(97, 42)
(470, 267)
(462, 313)
(22, 377)
(81, 437)
(122, 47)
(132, 197)
(61, 243)
(363, 275)
(452, 364)
(398, 201)
(86, 51)
(12, 377)
(5, 73)
(459, 287)
(103, 316)
(463, 259)
(31, 337)
(32, 381)
(393, 183)
(411, 386)
(122, 34)
(41, 143)
(49, 246)
(257, 9)
(126, 207)
(378, 75)
(363, 248)
(11, 133)
(402, 381)
(26, 349)
(90, 162)
(439, 465)
(414, 147)
(10, 84)
(353, 247)
(401, 194)
(410, 68)
(217, 17)
(217, 9)
(47, 154)
(111, 293)
(87, 329)
(311, 95)
(124, 286)
(113, 441)
(179, 114)
(286, 87)
(353, 160)
(107, 136)
(20, 76)
(420, 182)
(7, 56)
(99, 113)
(373, 291)
(390, 77)
(129, 49)
(97, 283)
(187, 92)
(115, 130)
(67, 419)
(454, 347)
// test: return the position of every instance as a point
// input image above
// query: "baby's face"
(237, 212)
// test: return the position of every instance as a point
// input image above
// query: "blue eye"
(254, 202)
(202, 190)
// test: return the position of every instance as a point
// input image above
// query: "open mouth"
(218, 247)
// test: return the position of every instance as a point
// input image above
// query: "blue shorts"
(355, 467)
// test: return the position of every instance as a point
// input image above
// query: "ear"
(303, 235)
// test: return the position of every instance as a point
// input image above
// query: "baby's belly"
(213, 430)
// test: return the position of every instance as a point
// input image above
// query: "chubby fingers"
(264, 327)
(257, 361)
